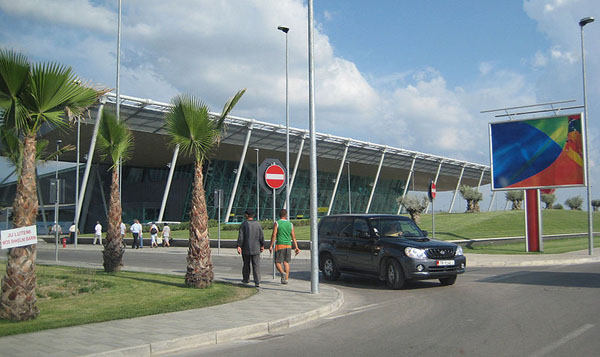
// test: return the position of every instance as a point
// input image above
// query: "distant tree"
(516, 197)
(414, 205)
(548, 199)
(472, 196)
(557, 206)
(574, 203)
(595, 204)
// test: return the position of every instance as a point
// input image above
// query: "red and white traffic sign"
(275, 176)
(432, 190)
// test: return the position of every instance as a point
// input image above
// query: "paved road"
(534, 311)
(490, 311)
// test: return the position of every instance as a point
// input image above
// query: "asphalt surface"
(368, 312)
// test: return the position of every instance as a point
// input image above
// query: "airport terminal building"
(353, 176)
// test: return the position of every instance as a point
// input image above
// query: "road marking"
(551, 347)
(358, 310)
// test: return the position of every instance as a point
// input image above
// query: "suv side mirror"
(425, 233)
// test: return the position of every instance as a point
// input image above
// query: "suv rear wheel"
(448, 280)
(330, 271)
(394, 277)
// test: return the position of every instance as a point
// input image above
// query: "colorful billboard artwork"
(537, 153)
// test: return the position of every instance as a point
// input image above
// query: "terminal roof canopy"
(152, 147)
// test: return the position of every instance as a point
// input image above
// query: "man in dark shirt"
(250, 243)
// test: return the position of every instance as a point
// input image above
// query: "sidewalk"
(153, 335)
(156, 334)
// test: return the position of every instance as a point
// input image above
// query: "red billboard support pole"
(533, 221)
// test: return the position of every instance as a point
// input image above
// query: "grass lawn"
(554, 246)
(70, 296)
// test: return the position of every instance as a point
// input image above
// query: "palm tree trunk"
(199, 265)
(18, 299)
(113, 250)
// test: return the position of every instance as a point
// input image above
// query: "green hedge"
(267, 224)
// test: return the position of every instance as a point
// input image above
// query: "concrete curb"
(473, 263)
(226, 335)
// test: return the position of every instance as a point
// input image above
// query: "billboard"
(537, 153)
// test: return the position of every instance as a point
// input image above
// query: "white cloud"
(75, 13)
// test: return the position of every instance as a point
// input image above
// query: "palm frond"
(114, 138)
(229, 106)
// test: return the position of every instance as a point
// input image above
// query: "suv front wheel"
(394, 277)
(330, 271)
(448, 281)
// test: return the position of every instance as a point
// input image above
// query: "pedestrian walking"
(123, 228)
(250, 243)
(72, 230)
(98, 233)
(284, 234)
(166, 234)
(153, 235)
(136, 232)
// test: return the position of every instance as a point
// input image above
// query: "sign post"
(432, 192)
(275, 179)
(219, 203)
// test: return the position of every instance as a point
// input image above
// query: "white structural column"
(462, 171)
(168, 186)
(375, 182)
(480, 179)
(410, 173)
(492, 201)
(88, 164)
(437, 175)
(337, 179)
(239, 173)
(298, 157)
(102, 194)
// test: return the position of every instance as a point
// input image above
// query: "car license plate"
(445, 262)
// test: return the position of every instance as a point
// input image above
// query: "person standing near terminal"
(98, 232)
(136, 230)
(250, 243)
(166, 234)
(123, 228)
(72, 230)
(153, 235)
(284, 234)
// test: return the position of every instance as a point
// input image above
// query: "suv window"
(327, 227)
(360, 226)
(345, 226)
(393, 227)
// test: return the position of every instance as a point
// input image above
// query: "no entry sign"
(275, 176)
(432, 191)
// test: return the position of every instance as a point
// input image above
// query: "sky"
(409, 74)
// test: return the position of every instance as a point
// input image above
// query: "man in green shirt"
(283, 233)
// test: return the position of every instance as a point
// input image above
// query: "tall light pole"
(314, 236)
(287, 124)
(583, 22)
(57, 187)
(76, 219)
(257, 187)
(349, 191)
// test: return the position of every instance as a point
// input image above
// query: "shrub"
(414, 205)
(548, 199)
(516, 197)
(574, 203)
(472, 196)
(558, 206)
(595, 204)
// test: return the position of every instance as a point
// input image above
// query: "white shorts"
(153, 236)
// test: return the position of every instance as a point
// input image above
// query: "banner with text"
(19, 237)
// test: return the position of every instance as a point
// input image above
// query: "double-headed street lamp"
(287, 123)
(583, 22)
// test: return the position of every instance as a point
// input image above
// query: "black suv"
(390, 247)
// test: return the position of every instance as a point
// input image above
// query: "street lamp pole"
(314, 237)
(287, 124)
(57, 186)
(257, 187)
(583, 22)
(76, 219)
(349, 191)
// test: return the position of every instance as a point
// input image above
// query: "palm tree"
(114, 140)
(32, 95)
(189, 125)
